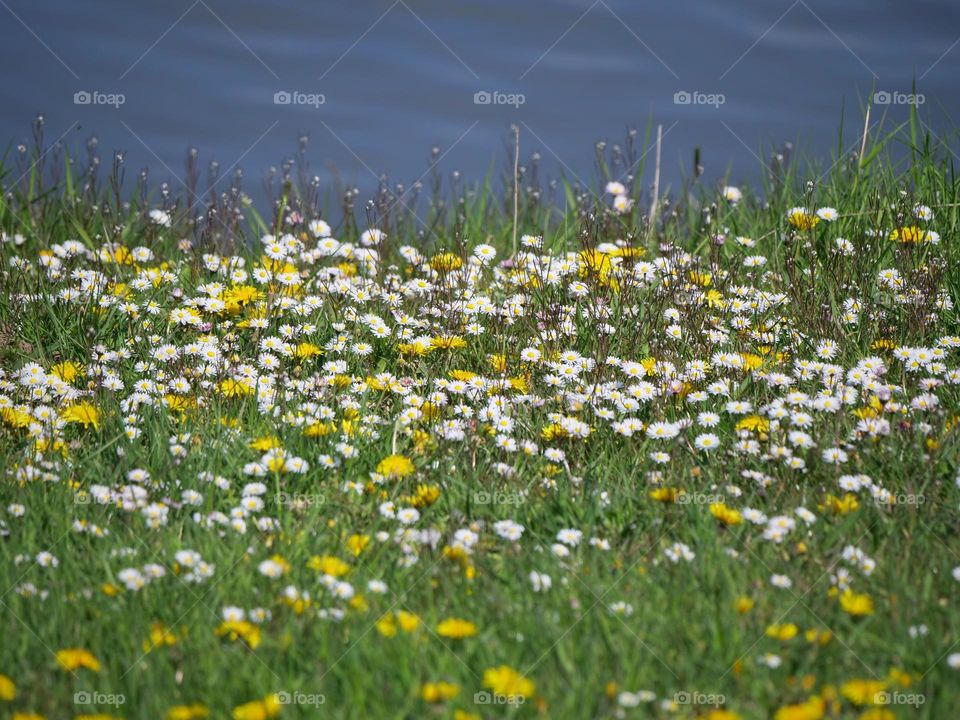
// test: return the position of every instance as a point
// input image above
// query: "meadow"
(511, 448)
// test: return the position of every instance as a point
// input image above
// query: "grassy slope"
(684, 634)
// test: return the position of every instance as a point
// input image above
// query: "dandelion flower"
(268, 707)
(72, 659)
(82, 413)
(507, 682)
(395, 467)
(801, 219)
(456, 628)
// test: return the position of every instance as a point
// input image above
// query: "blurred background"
(377, 85)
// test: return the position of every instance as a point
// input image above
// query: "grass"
(109, 386)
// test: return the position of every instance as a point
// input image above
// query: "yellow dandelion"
(307, 350)
(721, 714)
(812, 709)
(802, 220)
(328, 565)
(188, 712)
(407, 620)
(666, 494)
(877, 713)
(416, 348)
(8, 690)
(386, 626)
(784, 632)
(319, 429)
(395, 467)
(754, 423)
(840, 506)
(265, 443)
(71, 659)
(438, 692)
(506, 681)
(725, 515)
(856, 604)
(67, 371)
(240, 630)
(83, 413)
(160, 636)
(498, 362)
(862, 691)
(357, 543)
(446, 262)
(268, 707)
(16, 418)
(236, 388)
(703, 279)
(714, 298)
(424, 496)
(456, 628)
(912, 234)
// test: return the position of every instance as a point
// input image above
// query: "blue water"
(398, 78)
